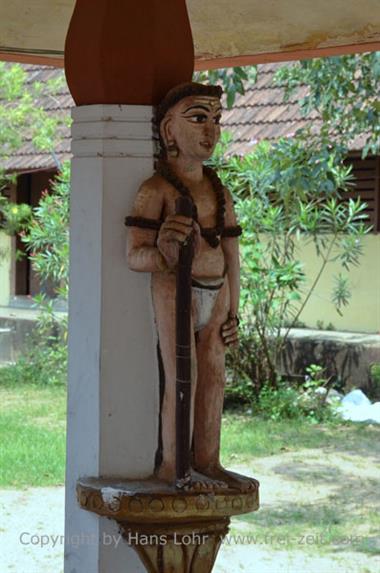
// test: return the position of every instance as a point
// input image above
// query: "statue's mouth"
(206, 144)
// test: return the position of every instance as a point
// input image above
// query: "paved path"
(24, 514)
(28, 516)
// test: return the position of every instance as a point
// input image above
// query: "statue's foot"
(195, 482)
(166, 472)
(232, 479)
(199, 482)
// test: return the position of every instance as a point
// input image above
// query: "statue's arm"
(152, 250)
(230, 246)
(142, 252)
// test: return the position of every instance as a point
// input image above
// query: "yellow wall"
(363, 312)
(5, 268)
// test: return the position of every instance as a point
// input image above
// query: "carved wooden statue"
(188, 120)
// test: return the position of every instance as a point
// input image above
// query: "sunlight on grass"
(32, 430)
(246, 437)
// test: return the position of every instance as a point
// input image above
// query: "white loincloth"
(204, 295)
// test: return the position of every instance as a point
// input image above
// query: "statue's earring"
(172, 149)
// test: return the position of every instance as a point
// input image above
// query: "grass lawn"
(32, 435)
(32, 432)
(320, 484)
(246, 437)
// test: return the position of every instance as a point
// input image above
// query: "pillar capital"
(120, 52)
(112, 131)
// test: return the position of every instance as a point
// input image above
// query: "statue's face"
(193, 125)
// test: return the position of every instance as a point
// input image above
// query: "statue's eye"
(198, 118)
(217, 119)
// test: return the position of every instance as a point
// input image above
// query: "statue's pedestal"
(172, 531)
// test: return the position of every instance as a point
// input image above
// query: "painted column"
(113, 373)
(120, 59)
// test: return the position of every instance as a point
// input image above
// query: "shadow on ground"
(346, 514)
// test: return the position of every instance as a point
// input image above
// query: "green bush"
(47, 236)
(374, 370)
(285, 400)
(42, 366)
(287, 194)
(289, 402)
(279, 403)
(45, 361)
(47, 240)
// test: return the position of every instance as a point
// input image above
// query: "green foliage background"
(287, 193)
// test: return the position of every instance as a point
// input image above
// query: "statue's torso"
(209, 262)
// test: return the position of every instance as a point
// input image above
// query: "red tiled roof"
(258, 114)
(261, 113)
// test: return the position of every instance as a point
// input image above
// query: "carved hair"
(178, 93)
(174, 96)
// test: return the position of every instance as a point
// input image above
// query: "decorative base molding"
(172, 531)
(177, 548)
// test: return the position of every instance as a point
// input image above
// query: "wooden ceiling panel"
(225, 32)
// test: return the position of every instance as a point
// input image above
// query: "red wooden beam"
(297, 53)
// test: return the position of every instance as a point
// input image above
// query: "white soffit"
(252, 30)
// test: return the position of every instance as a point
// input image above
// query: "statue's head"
(188, 121)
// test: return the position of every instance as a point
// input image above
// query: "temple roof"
(258, 114)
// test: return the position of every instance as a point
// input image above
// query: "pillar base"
(172, 531)
(177, 548)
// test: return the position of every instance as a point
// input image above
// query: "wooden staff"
(184, 206)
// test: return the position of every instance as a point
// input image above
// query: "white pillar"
(113, 373)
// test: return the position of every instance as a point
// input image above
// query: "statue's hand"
(173, 233)
(229, 331)
(196, 239)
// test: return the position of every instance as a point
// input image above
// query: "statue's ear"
(166, 131)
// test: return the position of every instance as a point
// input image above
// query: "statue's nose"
(209, 128)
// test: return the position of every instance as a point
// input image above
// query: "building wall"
(5, 268)
(363, 312)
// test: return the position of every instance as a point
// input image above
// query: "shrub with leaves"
(47, 241)
(45, 360)
(344, 91)
(233, 80)
(15, 217)
(22, 114)
(287, 194)
(47, 236)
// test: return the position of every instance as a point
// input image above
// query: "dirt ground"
(317, 516)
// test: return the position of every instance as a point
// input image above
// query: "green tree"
(45, 229)
(47, 235)
(233, 80)
(47, 240)
(344, 91)
(287, 194)
(292, 191)
(22, 115)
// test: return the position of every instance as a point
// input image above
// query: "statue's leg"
(209, 399)
(210, 386)
(163, 292)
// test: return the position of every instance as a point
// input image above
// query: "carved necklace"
(211, 234)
